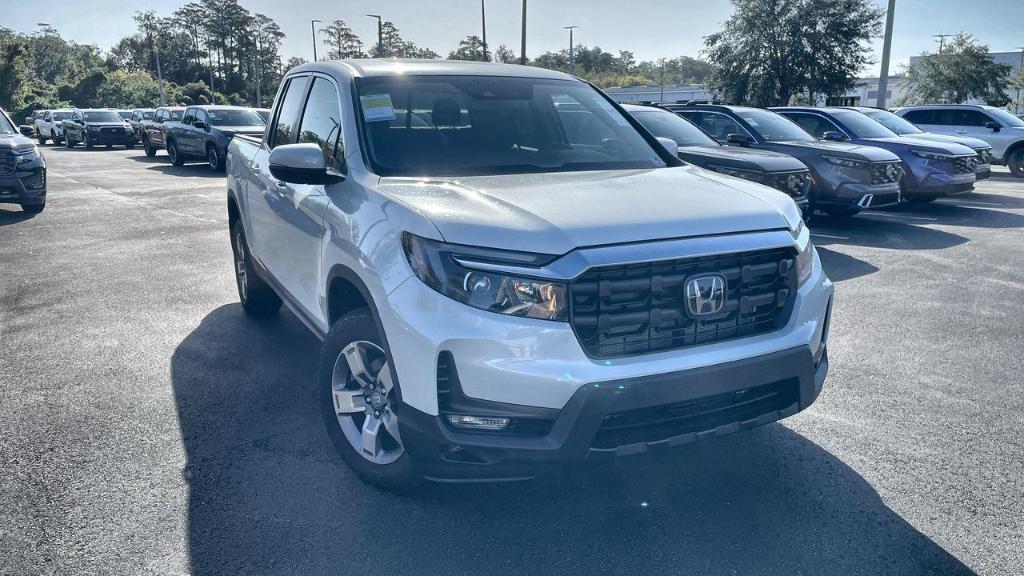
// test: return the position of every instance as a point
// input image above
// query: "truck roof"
(370, 67)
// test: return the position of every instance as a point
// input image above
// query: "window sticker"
(377, 107)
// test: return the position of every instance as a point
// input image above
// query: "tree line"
(769, 52)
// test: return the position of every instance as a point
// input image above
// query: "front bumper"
(856, 195)
(983, 172)
(937, 184)
(27, 186)
(533, 370)
(119, 138)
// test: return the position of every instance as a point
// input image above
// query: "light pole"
(883, 80)
(312, 28)
(1020, 76)
(572, 59)
(483, 26)
(380, 34)
(522, 49)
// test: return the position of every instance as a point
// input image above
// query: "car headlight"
(932, 155)
(27, 155)
(805, 255)
(439, 266)
(846, 162)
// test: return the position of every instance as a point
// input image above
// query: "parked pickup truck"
(97, 127)
(204, 133)
(153, 128)
(497, 294)
(22, 168)
(48, 126)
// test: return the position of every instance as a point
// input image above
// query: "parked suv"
(204, 133)
(904, 128)
(930, 169)
(501, 286)
(1002, 130)
(847, 177)
(22, 168)
(48, 126)
(780, 171)
(94, 127)
(153, 128)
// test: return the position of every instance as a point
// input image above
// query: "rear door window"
(922, 117)
(190, 115)
(969, 118)
(814, 125)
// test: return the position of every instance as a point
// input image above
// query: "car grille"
(985, 156)
(794, 184)
(638, 308)
(965, 164)
(7, 162)
(881, 173)
(662, 422)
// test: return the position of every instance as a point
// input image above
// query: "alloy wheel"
(363, 393)
(213, 158)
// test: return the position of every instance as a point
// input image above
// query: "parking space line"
(817, 235)
(901, 216)
(968, 203)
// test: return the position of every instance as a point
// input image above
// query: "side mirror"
(993, 126)
(199, 124)
(302, 164)
(669, 145)
(27, 130)
(834, 136)
(738, 139)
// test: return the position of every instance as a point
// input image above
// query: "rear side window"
(922, 116)
(288, 111)
(720, 125)
(814, 125)
(969, 118)
(321, 121)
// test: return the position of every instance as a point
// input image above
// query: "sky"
(650, 28)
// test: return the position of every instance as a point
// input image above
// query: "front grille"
(662, 422)
(639, 308)
(881, 173)
(965, 164)
(7, 162)
(794, 184)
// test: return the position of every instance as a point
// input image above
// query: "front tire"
(214, 159)
(56, 139)
(359, 401)
(172, 153)
(86, 141)
(148, 147)
(69, 143)
(40, 138)
(256, 296)
(1016, 163)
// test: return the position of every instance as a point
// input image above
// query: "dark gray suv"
(22, 169)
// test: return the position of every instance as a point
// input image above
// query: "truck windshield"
(466, 125)
(892, 122)
(235, 118)
(101, 116)
(5, 125)
(773, 127)
(860, 125)
(60, 115)
(1005, 117)
(669, 125)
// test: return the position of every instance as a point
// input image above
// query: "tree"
(471, 48)
(394, 46)
(505, 55)
(770, 50)
(961, 70)
(14, 71)
(293, 62)
(343, 42)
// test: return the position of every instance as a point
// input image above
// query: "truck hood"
(746, 158)
(231, 130)
(973, 143)
(902, 143)
(553, 213)
(840, 149)
(9, 141)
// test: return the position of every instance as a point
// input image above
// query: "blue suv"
(931, 169)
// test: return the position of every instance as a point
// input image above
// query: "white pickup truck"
(508, 272)
(48, 125)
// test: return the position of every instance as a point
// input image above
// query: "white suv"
(1002, 130)
(507, 271)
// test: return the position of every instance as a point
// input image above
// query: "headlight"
(805, 257)
(932, 155)
(846, 162)
(437, 265)
(754, 175)
(26, 155)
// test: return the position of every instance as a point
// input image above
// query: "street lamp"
(522, 49)
(483, 26)
(380, 34)
(572, 59)
(1020, 75)
(883, 79)
(312, 28)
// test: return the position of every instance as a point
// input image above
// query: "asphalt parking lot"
(148, 427)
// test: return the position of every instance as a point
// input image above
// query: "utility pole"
(942, 40)
(572, 59)
(159, 74)
(522, 48)
(312, 28)
(1020, 76)
(380, 34)
(883, 80)
(661, 100)
(483, 25)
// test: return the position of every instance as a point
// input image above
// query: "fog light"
(478, 422)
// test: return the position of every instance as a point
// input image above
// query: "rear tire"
(1016, 163)
(33, 208)
(172, 153)
(388, 465)
(256, 296)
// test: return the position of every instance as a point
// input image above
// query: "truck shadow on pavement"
(8, 217)
(267, 495)
(163, 165)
